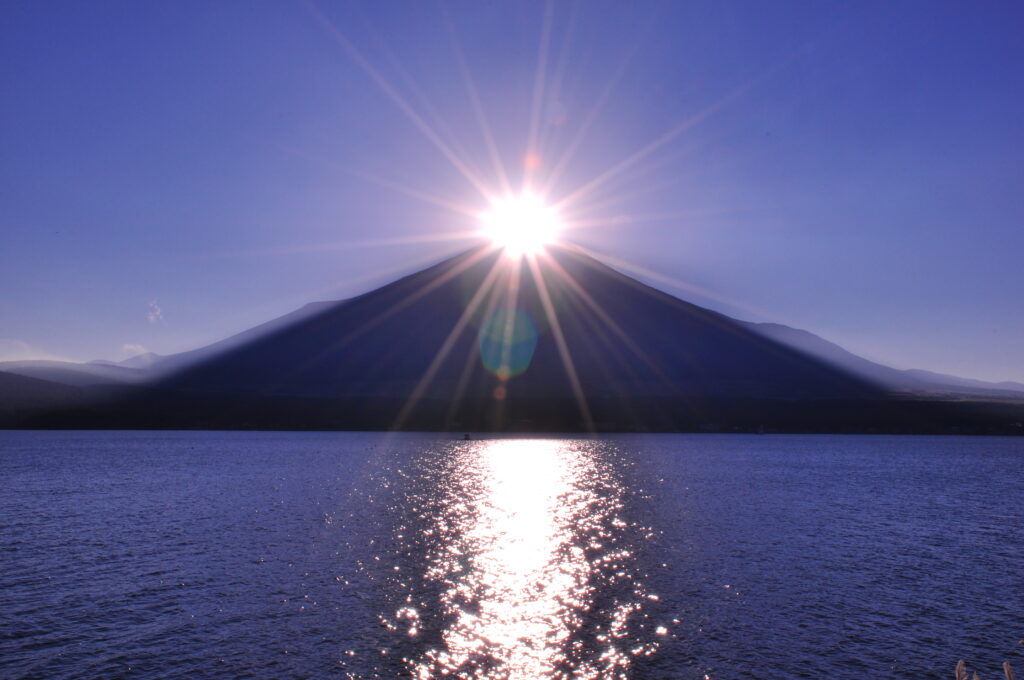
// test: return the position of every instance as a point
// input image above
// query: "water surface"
(310, 555)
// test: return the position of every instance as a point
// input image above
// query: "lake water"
(318, 555)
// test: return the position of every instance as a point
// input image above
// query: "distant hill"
(20, 394)
(148, 367)
(78, 375)
(144, 360)
(910, 380)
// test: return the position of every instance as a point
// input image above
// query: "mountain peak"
(484, 329)
(485, 341)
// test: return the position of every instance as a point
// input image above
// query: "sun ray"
(512, 295)
(348, 287)
(631, 220)
(446, 346)
(471, 358)
(583, 307)
(613, 197)
(414, 193)
(443, 237)
(387, 274)
(435, 115)
(400, 101)
(619, 197)
(538, 88)
(383, 181)
(469, 259)
(636, 157)
(679, 128)
(605, 318)
(654, 145)
(584, 129)
(596, 339)
(625, 265)
(558, 76)
(521, 224)
(478, 109)
(563, 348)
(614, 348)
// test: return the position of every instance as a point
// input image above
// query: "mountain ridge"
(150, 366)
(566, 342)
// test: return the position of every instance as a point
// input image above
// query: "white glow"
(532, 532)
(522, 224)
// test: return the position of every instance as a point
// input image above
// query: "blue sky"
(171, 173)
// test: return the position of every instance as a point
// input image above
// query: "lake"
(372, 555)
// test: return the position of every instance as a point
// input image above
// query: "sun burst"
(521, 224)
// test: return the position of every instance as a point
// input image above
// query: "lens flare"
(521, 224)
(507, 341)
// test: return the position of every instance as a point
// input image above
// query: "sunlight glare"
(522, 224)
(533, 526)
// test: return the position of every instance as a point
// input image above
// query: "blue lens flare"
(507, 340)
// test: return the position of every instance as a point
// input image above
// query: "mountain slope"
(623, 339)
(482, 342)
(19, 392)
(150, 367)
(163, 365)
(897, 380)
(75, 374)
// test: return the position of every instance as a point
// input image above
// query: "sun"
(521, 224)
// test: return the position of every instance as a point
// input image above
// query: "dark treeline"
(148, 409)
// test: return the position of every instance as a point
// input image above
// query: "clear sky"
(171, 173)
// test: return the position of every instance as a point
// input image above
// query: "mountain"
(78, 375)
(144, 360)
(622, 339)
(481, 341)
(20, 392)
(147, 367)
(165, 365)
(893, 379)
(966, 385)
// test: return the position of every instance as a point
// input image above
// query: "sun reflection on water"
(531, 576)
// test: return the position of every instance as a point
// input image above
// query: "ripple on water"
(167, 555)
(523, 564)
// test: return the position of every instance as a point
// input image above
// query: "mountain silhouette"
(621, 338)
(487, 342)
